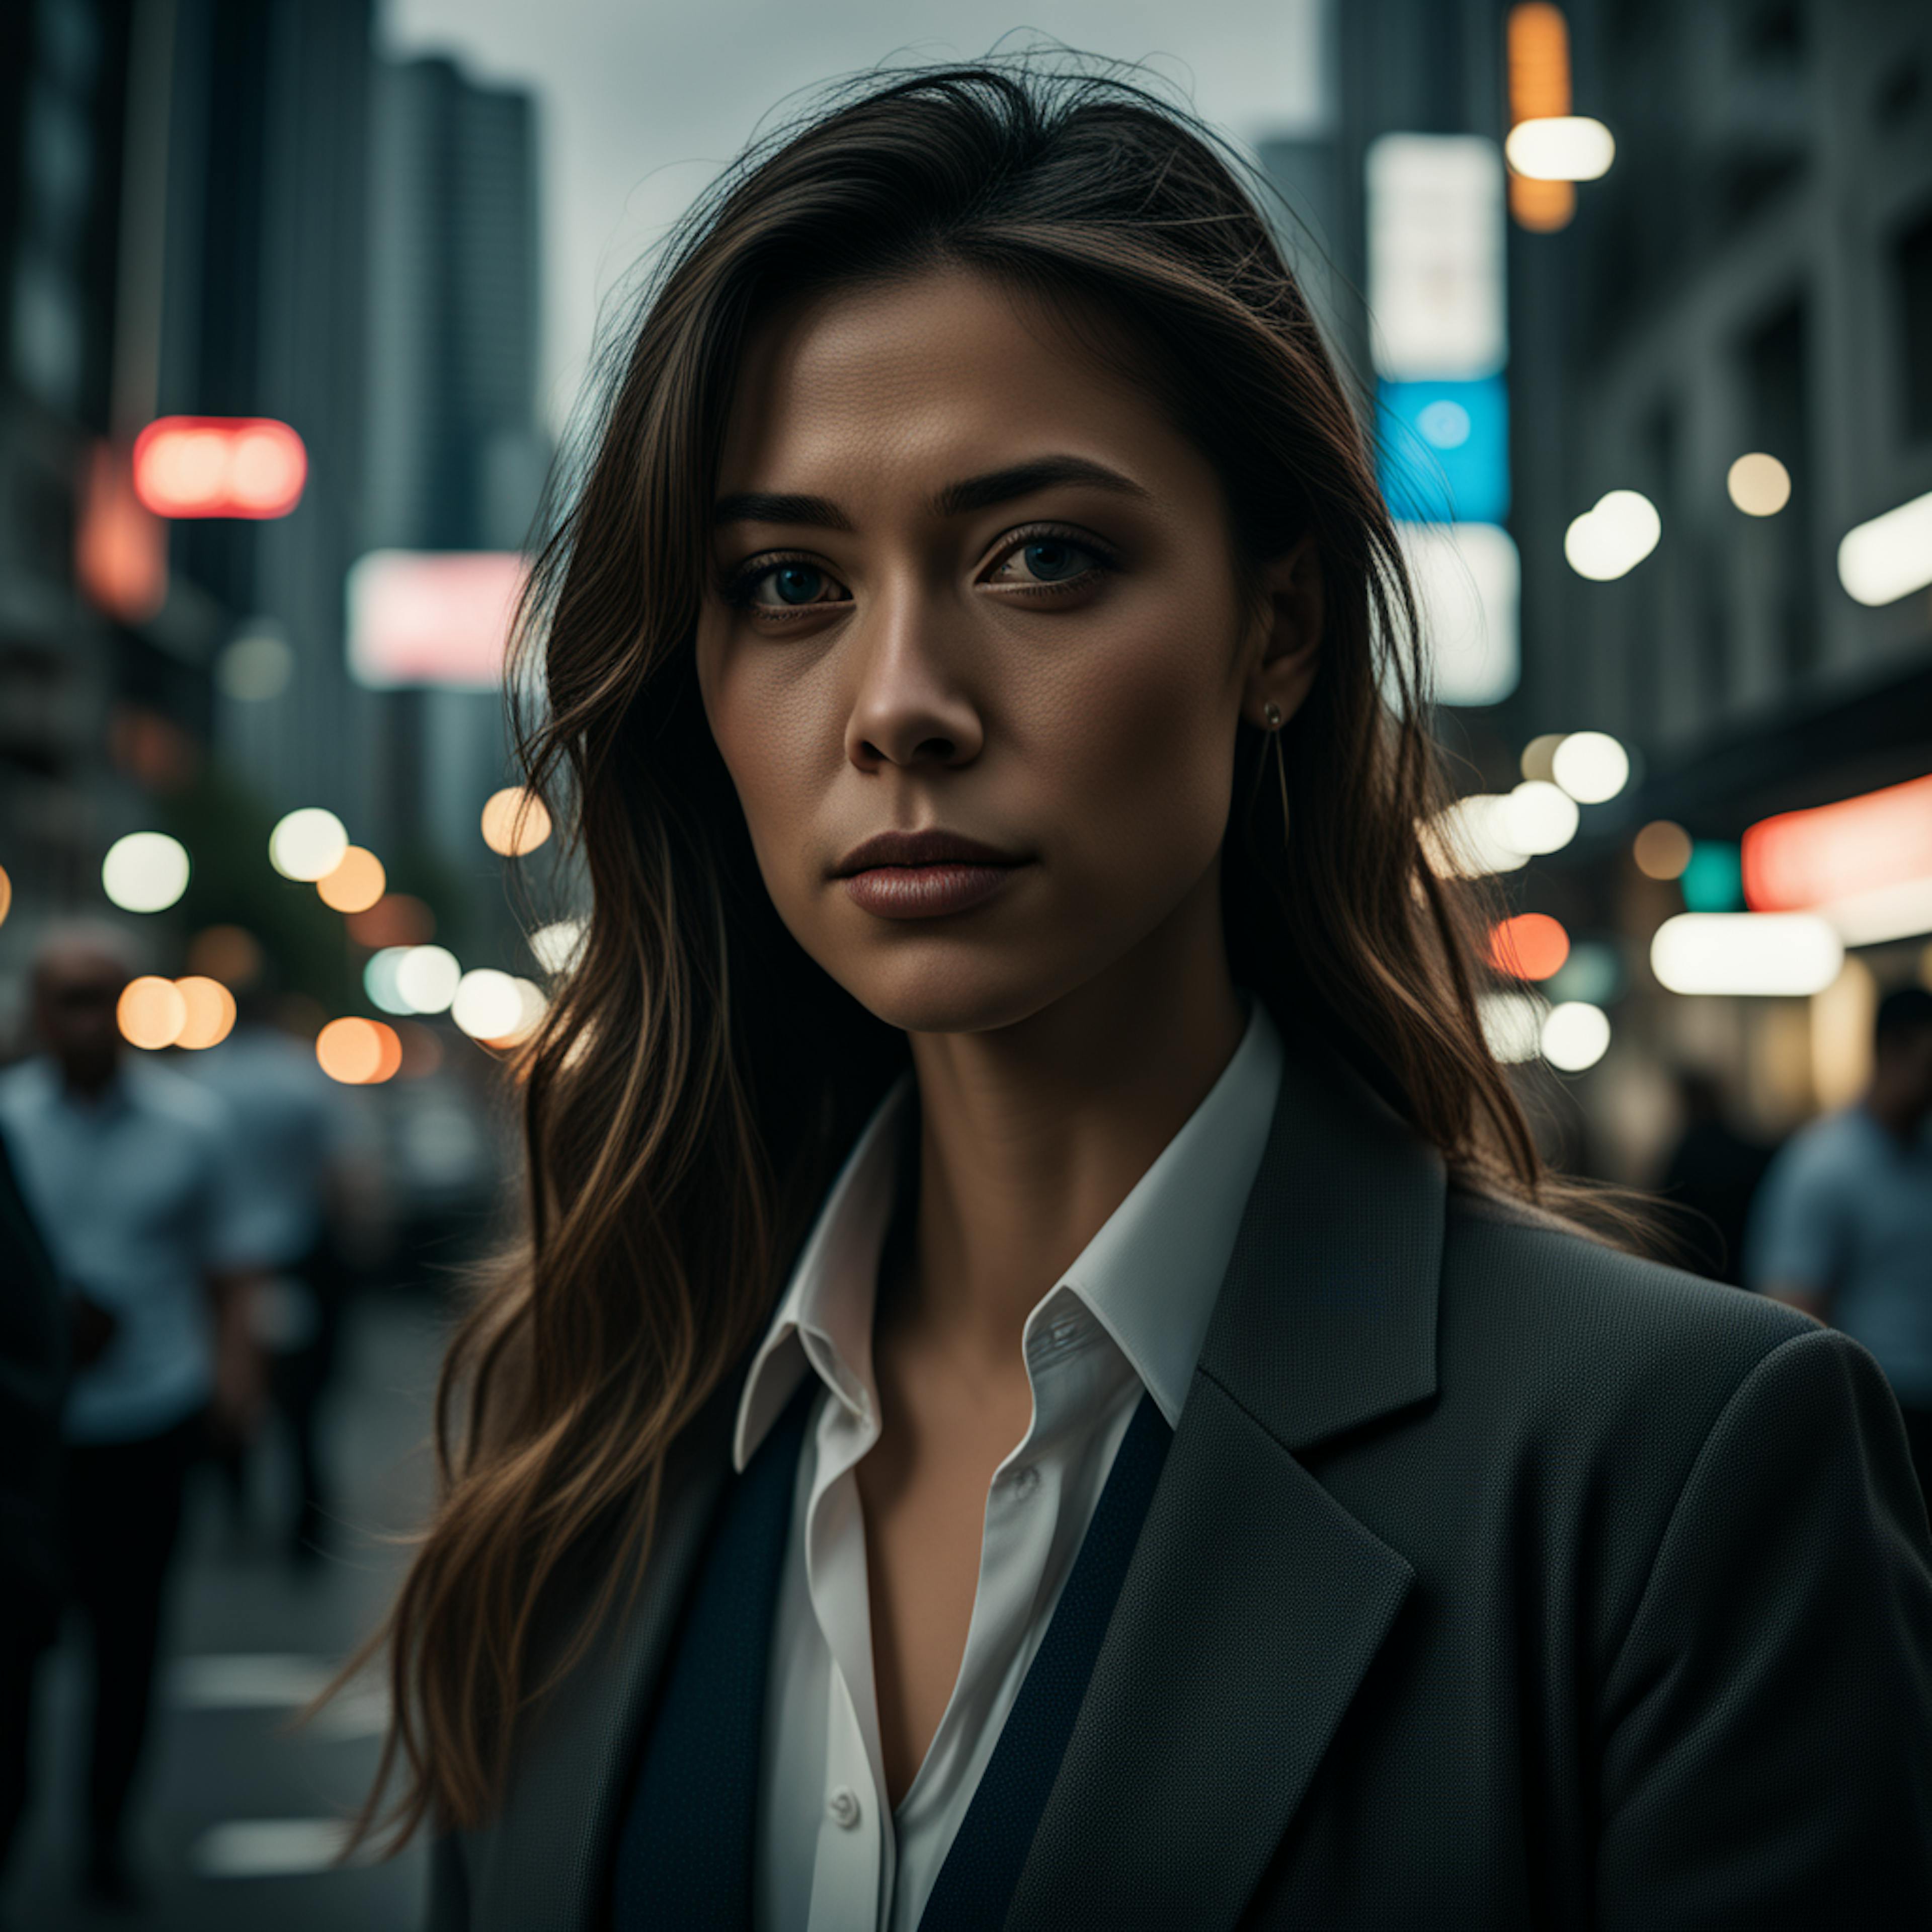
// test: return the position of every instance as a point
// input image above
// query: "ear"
(1282, 671)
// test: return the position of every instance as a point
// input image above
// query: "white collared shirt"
(1130, 1314)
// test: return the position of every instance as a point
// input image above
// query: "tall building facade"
(63, 157)
(455, 459)
(181, 231)
(266, 299)
(1754, 275)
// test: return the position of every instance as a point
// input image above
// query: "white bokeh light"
(558, 945)
(1891, 557)
(487, 1005)
(1576, 1035)
(532, 1005)
(1767, 954)
(1614, 538)
(308, 844)
(1561, 147)
(1512, 1025)
(1591, 766)
(381, 978)
(428, 976)
(1467, 840)
(1538, 817)
(145, 872)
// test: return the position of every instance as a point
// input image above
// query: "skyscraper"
(455, 460)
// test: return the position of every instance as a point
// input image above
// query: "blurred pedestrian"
(33, 1382)
(303, 1167)
(1843, 1226)
(130, 1172)
(1712, 1174)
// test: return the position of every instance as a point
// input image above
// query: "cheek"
(771, 730)
(1138, 749)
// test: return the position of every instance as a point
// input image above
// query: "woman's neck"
(1031, 1136)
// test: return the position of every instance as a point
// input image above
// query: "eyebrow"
(955, 500)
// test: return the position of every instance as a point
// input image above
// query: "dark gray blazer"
(1495, 1578)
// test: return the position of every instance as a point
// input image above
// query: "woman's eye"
(794, 583)
(786, 586)
(1045, 560)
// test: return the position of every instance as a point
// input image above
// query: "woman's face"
(976, 606)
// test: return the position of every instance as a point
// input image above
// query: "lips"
(925, 874)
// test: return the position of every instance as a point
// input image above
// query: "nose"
(911, 708)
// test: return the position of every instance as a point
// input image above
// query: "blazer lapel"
(541, 1865)
(1254, 1603)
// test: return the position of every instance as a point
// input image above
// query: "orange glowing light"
(514, 821)
(356, 884)
(6, 895)
(1532, 946)
(1539, 89)
(351, 1050)
(151, 1012)
(390, 1064)
(1802, 859)
(1539, 62)
(1542, 206)
(120, 548)
(249, 466)
(210, 1012)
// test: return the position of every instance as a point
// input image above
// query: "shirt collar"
(824, 1318)
(1150, 1276)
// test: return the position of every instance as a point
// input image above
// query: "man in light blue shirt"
(304, 1155)
(130, 1171)
(1842, 1226)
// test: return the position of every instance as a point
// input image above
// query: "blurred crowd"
(179, 1235)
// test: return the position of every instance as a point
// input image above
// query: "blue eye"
(1052, 559)
(797, 582)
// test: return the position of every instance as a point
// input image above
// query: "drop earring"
(1271, 713)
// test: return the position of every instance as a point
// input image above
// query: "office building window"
(1775, 359)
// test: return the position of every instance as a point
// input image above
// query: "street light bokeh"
(144, 871)
(308, 844)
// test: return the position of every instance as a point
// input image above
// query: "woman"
(1044, 1388)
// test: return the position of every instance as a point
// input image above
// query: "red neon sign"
(219, 466)
(1800, 860)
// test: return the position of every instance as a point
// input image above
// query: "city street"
(237, 1819)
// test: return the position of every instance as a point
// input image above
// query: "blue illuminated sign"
(1443, 450)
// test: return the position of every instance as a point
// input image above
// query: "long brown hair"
(698, 1077)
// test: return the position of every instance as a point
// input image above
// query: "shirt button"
(1025, 1481)
(843, 1808)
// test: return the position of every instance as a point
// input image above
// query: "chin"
(934, 986)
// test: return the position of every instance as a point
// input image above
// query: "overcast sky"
(640, 103)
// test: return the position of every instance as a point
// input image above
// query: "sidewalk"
(236, 1819)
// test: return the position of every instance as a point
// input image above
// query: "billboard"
(432, 618)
